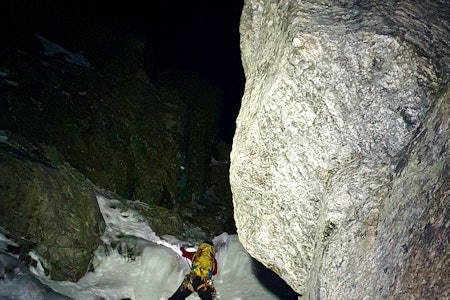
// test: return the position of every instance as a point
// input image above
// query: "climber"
(204, 266)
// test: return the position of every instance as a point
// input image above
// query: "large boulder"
(339, 168)
(48, 206)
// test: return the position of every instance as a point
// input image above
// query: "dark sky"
(197, 35)
(203, 36)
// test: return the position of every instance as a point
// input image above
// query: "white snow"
(159, 269)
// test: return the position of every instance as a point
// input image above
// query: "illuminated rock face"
(340, 169)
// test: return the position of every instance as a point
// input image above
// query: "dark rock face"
(49, 204)
(197, 127)
(412, 245)
(144, 140)
(147, 139)
(339, 168)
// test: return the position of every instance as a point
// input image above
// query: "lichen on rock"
(336, 96)
(50, 205)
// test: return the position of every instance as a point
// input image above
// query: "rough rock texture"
(144, 140)
(339, 168)
(49, 205)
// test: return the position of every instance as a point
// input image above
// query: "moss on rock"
(50, 204)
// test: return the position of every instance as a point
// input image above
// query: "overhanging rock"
(338, 101)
